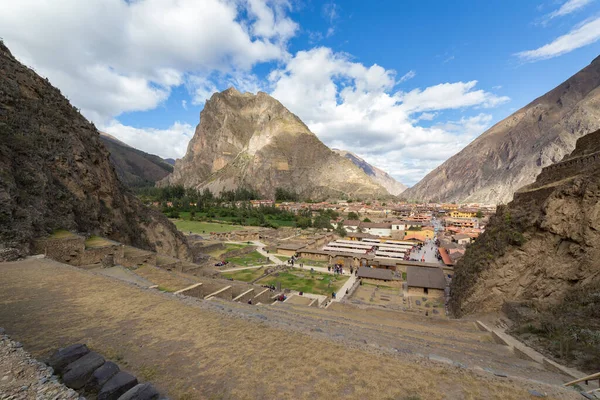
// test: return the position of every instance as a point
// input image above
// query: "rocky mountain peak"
(252, 140)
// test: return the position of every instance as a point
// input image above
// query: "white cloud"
(582, 35)
(141, 49)
(184, 104)
(570, 6)
(166, 143)
(409, 75)
(354, 107)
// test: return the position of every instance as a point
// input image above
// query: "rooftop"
(424, 277)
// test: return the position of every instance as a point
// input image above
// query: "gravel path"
(22, 377)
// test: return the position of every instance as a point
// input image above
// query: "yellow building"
(463, 214)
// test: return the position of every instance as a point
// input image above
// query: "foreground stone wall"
(67, 250)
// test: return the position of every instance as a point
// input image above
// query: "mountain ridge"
(135, 167)
(377, 175)
(513, 152)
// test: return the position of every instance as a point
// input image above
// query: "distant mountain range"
(134, 167)
(253, 141)
(377, 175)
(513, 152)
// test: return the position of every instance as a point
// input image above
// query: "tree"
(341, 231)
(366, 220)
(352, 215)
(479, 214)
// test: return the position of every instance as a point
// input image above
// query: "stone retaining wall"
(66, 250)
(95, 255)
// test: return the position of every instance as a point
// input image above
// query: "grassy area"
(61, 234)
(282, 258)
(97, 241)
(254, 258)
(245, 275)
(205, 227)
(304, 281)
(185, 216)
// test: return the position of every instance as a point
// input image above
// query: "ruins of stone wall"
(135, 260)
(65, 250)
(95, 255)
(264, 297)
(224, 293)
(244, 297)
(567, 168)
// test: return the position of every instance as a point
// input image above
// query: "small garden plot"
(205, 227)
(305, 281)
(250, 259)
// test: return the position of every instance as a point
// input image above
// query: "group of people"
(337, 269)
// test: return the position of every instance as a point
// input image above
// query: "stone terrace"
(204, 349)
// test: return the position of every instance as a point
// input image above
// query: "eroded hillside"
(55, 173)
(513, 152)
(538, 259)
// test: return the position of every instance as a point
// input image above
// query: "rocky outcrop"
(378, 176)
(513, 152)
(538, 261)
(55, 173)
(253, 141)
(543, 244)
(134, 167)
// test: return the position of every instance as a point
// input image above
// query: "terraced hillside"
(191, 348)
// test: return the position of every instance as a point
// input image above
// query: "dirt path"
(190, 351)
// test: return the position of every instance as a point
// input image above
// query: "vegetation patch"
(305, 281)
(503, 232)
(254, 258)
(245, 275)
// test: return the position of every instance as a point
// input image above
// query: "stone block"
(77, 373)
(117, 386)
(63, 357)
(143, 391)
(101, 376)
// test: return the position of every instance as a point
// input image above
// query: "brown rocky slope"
(378, 176)
(253, 141)
(538, 259)
(134, 167)
(56, 174)
(513, 152)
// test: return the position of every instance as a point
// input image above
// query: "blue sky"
(404, 84)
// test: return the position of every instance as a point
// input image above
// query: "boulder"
(76, 374)
(63, 357)
(143, 391)
(117, 386)
(101, 376)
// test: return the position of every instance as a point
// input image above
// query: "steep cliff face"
(246, 140)
(513, 152)
(538, 261)
(55, 173)
(378, 176)
(134, 167)
(543, 244)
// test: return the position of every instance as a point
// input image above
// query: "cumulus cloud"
(113, 56)
(166, 143)
(582, 35)
(355, 107)
(409, 75)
